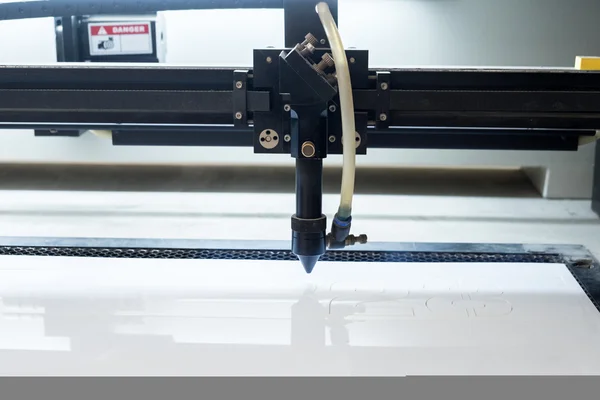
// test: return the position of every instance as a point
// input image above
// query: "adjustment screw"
(310, 39)
(239, 84)
(308, 149)
(384, 86)
(238, 115)
(308, 49)
(287, 108)
(269, 60)
(382, 117)
(331, 138)
(332, 108)
(287, 138)
(326, 62)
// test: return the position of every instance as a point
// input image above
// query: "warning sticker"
(120, 38)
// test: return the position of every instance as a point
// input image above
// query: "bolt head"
(310, 48)
(331, 139)
(287, 138)
(382, 117)
(239, 84)
(287, 107)
(323, 41)
(352, 60)
(328, 59)
(384, 86)
(332, 108)
(310, 38)
(269, 60)
(238, 115)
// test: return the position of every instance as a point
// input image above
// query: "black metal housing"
(474, 109)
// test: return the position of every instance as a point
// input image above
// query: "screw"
(323, 41)
(309, 39)
(287, 108)
(287, 138)
(332, 108)
(308, 49)
(326, 61)
(238, 115)
(384, 86)
(269, 60)
(382, 117)
(331, 139)
(239, 84)
(352, 60)
(308, 149)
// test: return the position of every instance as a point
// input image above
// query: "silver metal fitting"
(269, 139)
(308, 149)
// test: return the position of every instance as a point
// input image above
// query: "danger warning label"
(120, 38)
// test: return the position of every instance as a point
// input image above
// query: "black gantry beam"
(392, 138)
(123, 106)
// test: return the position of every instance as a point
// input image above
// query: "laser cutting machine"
(310, 99)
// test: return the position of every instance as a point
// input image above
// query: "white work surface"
(99, 317)
(71, 316)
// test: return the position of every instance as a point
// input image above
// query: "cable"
(347, 111)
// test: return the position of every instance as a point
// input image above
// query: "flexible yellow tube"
(347, 109)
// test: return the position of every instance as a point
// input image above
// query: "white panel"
(171, 317)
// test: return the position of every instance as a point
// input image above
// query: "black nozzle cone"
(308, 262)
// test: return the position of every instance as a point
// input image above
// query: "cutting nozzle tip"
(308, 262)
